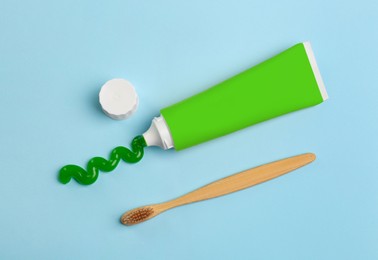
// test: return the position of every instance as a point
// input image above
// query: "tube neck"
(158, 134)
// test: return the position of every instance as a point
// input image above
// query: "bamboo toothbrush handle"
(242, 180)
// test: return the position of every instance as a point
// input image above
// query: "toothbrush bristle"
(137, 216)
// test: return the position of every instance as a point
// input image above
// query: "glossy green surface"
(89, 176)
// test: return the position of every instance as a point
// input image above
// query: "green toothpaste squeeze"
(285, 83)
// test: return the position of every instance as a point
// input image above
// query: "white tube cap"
(118, 99)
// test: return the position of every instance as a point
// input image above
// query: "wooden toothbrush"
(221, 187)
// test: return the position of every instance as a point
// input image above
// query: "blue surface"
(54, 57)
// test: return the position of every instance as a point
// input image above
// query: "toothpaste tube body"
(285, 83)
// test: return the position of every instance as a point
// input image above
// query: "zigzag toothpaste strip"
(285, 83)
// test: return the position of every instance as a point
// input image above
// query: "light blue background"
(54, 57)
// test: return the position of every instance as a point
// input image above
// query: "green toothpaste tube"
(282, 84)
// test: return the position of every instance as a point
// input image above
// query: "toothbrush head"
(137, 215)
